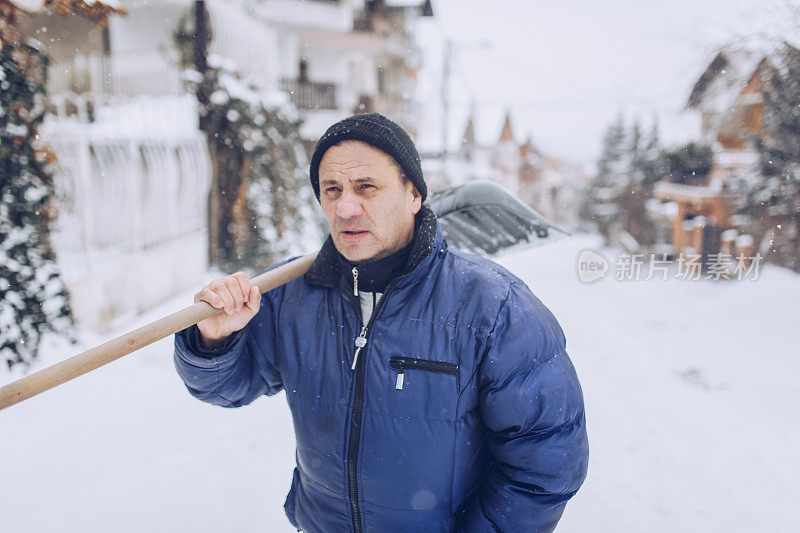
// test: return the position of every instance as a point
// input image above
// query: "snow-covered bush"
(262, 207)
(33, 298)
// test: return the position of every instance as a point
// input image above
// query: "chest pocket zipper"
(407, 363)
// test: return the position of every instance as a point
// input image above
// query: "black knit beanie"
(380, 132)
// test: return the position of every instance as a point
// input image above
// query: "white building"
(337, 58)
(134, 168)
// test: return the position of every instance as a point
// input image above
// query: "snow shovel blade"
(482, 217)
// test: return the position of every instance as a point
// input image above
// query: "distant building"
(728, 97)
(552, 186)
(507, 160)
(338, 58)
(489, 150)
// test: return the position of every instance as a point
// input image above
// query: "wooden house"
(728, 98)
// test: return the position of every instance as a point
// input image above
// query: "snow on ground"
(690, 387)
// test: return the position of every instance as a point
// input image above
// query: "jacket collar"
(326, 270)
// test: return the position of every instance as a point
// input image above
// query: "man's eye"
(365, 185)
(332, 189)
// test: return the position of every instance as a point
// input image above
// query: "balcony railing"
(117, 75)
(362, 22)
(310, 95)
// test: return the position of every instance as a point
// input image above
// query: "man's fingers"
(230, 293)
(210, 297)
(213, 298)
(236, 291)
(254, 300)
(221, 289)
(244, 284)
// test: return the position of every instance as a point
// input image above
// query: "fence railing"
(310, 95)
(123, 195)
(121, 75)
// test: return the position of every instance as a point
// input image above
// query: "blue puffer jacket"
(486, 434)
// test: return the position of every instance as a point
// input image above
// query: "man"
(430, 390)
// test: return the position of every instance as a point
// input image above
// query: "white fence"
(123, 195)
(132, 209)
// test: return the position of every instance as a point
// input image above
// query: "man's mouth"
(353, 234)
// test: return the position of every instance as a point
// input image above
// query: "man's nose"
(349, 205)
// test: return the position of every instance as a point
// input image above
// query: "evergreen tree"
(626, 174)
(33, 298)
(644, 159)
(642, 156)
(610, 181)
(777, 194)
(687, 165)
(652, 153)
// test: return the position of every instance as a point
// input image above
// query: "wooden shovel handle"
(85, 362)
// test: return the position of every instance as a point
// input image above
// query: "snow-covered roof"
(730, 83)
(678, 191)
(729, 72)
(659, 209)
(723, 80)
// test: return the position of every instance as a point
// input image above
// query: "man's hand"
(237, 297)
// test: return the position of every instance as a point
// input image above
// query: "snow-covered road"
(691, 389)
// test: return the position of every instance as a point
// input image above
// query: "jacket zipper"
(358, 404)
(405, 363)
(361, 341)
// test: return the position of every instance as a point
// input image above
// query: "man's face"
(370, 210)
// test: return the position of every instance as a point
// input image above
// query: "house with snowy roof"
(728, 96)
(729, 99)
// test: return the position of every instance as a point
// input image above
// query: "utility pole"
(200, 49)
(446, 61)
(450, 48)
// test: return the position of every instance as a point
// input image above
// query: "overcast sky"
(566, 69)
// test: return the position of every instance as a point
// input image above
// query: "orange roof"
(507, 134)
(468, 138)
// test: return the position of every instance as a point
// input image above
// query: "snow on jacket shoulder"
(484, 432)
